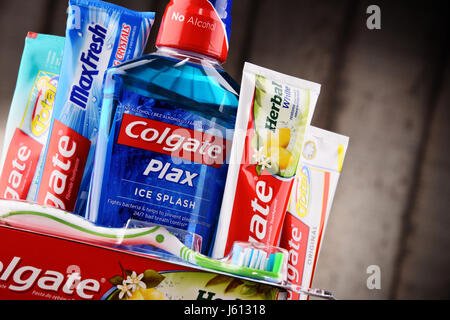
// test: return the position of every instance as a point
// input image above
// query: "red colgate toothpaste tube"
(27, 128)
(274, 111)
(311, 200)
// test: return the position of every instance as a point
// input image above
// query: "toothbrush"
(246, 261)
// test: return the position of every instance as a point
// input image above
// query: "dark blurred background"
(387, 89)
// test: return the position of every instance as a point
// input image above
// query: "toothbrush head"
(251, 260)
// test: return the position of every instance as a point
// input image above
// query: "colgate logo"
(64, 167)
(20, 166)
(294, 238)
(172, 140)
(261, 206)
(23, 278)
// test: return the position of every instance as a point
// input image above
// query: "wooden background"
(389, 90)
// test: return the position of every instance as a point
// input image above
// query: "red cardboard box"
(42, 267)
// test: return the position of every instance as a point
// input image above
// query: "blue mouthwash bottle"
(166, 127)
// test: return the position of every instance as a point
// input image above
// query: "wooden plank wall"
(387, 89)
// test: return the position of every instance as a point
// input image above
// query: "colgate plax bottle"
(166, 127)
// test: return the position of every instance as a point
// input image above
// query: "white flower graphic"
(134, 281)
(260, 158)
(124, 289)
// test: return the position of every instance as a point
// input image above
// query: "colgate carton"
(86, 271)
(310, 203)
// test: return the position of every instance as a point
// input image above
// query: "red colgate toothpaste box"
(36, 266)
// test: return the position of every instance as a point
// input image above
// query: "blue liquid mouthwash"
(166, 127)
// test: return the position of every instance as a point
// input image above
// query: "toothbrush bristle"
(236, 258)
(253, 258)
(256, 259)
(253, 261)
(247, 256)
(261, 260)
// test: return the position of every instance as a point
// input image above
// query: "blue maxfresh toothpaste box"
(99, 35)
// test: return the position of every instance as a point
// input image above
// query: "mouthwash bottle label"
(166, 165)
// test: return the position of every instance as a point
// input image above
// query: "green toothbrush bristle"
(278, 263)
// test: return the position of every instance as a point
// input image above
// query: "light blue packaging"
(99, 35)
(29, 117)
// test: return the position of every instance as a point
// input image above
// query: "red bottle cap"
(194, 25)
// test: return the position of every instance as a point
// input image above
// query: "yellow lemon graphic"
(282, 156)
(147, 294)
(137, 295)
(152, 294)
(279, 139)
(284, 135)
